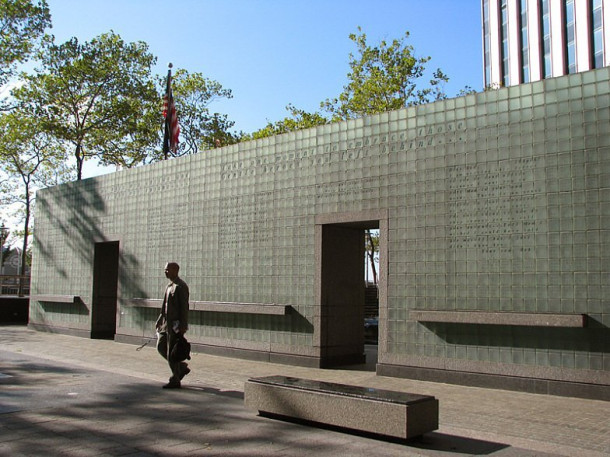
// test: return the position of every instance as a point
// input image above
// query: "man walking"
(173, 323)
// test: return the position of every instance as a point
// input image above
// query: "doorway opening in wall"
(346, 333)
(105, 284)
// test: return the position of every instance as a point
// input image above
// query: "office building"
(531, 40)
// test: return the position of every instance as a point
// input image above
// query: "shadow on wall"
(592, 339)
(293, 322)
(81, 209)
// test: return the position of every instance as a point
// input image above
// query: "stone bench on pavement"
(381, 412)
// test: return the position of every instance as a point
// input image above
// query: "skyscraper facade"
(530, 40)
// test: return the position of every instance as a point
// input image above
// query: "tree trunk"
(26, 232)
(79, 162)
(371, 256)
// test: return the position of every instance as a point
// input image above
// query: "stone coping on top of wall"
(50, 298)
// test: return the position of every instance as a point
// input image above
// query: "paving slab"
(70, 396)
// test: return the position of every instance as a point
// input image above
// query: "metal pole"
(166, 126)
(3, 236)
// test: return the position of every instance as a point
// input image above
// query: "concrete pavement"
(63, 395)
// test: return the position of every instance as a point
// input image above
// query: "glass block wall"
(498, 202)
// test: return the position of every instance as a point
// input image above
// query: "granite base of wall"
(238, 353)
(307, 357)
(531, 385)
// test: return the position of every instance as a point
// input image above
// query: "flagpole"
(167, 132)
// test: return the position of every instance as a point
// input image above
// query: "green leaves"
(27, 151)
(383, 78)
(99, 99)
(22, 24)
(94, 97)
(29, 159)
(298, 120)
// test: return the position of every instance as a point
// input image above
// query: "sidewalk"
(472, 420)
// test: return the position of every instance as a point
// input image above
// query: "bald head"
(171, 270)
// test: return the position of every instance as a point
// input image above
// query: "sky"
(272, 53)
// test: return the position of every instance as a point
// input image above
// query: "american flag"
(172, 129)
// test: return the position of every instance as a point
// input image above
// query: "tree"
(466, 90)
(371, 246)
(22, 25)
(30, 160)
(384, 78)
(199, 129)
(298, 120)
(96, 97)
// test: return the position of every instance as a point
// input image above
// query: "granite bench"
(380, 412)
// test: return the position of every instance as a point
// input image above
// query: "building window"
(547, 71)
(486, 43)
(525, 46)
(597, 40)
(570, 37)
(505, 50)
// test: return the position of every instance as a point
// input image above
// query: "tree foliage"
(383, 78)
(30, 160)
(298, 120)
(22, 25)
(98, 97)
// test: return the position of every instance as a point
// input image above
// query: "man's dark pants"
(165, 344)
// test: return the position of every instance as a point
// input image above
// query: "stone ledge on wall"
(218, 307)
(501, 318)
